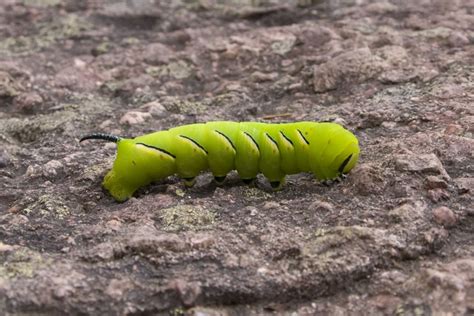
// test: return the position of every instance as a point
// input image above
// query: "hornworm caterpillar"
(275, 150)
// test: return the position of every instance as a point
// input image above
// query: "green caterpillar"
(275, 150)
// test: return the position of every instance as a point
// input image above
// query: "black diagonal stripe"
(344, 164)
(274, 141)
(226, 137)
(195, 142)
(301, 134)
(159, 149)
(286, 137)
(256, 144)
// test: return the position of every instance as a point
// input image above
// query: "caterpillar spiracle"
(325, 149)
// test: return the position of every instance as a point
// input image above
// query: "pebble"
(425, 163)
(52, 168)
(188, 291)
(156, 109)
(258, 76)
(366, 179)
(464, 184)
(453, 129)
(444, 216)
(355, 65)
(202, 241)
(134, 117)
(437, 195)
(435, 182)
(270, 205)
(157, 54)
(458, 39)
(5, 158)
(320, 206)
(28, 102)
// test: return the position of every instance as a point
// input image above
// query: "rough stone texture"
(395, 237)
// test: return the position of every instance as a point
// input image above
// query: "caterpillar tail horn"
(102, 136)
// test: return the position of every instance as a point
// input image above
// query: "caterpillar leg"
(189, 182)
(249, 181)
(219, 179)
(277, 185)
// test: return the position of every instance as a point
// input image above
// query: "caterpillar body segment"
(325, 149)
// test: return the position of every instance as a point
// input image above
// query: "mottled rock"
(157, 54)
(437, 195)
(453, 129)
(186, 217)
(270, 205)
(147, 240)
(77, 79)
(6, 248)
(408, 212)
(464, 185)
(444, 216)
(187, 291)
(134, 117)
(284, 45)
(355, 66)
(156, 109)
(52, 168)
(8, 86)
(450, 284)
(423, 163)
(382, 7)
(367, 179)
(458, 39)
(5, 158)
(202, 241)
(28, 102)
(118, 287)
(394, 55)
(258, 76)
(435, 182)
(320, 206)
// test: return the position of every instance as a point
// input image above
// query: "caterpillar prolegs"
(325, 149)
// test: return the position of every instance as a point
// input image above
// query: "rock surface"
(395, 237)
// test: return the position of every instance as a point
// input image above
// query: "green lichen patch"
(177, 105)
(49, 206)
(254, 193)
(93, 172)
(187, 217)
(176, 69)
(21, 262)
(28, 130)
(49, 33)
(41, 3)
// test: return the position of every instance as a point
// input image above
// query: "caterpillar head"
(334, 153)
(136, 165)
